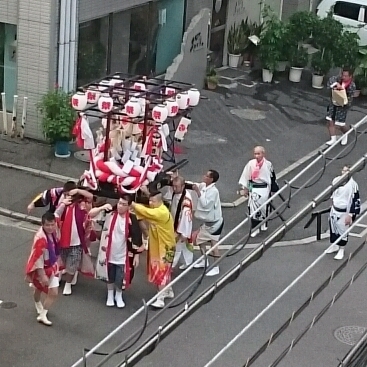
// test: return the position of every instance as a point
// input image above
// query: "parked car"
(351, 13)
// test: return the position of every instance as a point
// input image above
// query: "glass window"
(8, 63)
(347, 10)
(92, 50)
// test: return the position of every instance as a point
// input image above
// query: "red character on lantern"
(106, 106)
(91, 96)
(75, 102)
(156, 115)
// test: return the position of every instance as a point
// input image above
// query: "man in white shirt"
(181, 208)
(120, 245)
(346, 206)
(209, 212)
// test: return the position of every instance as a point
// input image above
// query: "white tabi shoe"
(332, 249)
(119, 300)
(169, 293)
(201, 264)
(340, 254)
(39, 307)
(75, 279)
(110, 300)
(264, 227)
(67, 289)
(331, 141)
(42, 318)
(344, 141)
(255, 233)
(213, 272)
(159, 303)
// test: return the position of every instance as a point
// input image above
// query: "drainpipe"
(311, 5)
(281, 9)
(67, 46)
(73, 35)
(60, 76)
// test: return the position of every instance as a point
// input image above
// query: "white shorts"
(54, 282)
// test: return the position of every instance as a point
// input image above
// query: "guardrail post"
(318, 226)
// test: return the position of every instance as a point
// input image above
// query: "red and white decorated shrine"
(141, 121)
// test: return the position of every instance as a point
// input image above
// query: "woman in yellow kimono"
(161, 249)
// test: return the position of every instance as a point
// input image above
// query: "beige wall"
(8, 11)
(37, 37)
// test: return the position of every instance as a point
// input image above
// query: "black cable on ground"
(318, 316)
(296, 313)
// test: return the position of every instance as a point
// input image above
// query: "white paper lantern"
(183, 100)
(194, 96)
(165, 129)
(140, 86)
(79, 101)
(93, 95)
(170, 92)
(105, 103)
(172, 107)
(160, 113)
(103, 85)
(133, 107)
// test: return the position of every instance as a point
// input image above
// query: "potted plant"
(271, 43)
(58, 118)
(235, 43)
(211, 79)
(321, 64)
(252, 31)
(347, 50)
(298, 60)
(300, 27)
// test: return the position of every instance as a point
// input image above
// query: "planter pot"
(364, 91)
(233, 60)
(211, 85)
(295, 74)
(267, 76)
(356, 93)
(317, 81)
(281, 66)
(62, 149)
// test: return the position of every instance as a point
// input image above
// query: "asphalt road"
(80, 321)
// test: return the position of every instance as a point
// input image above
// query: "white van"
(351, 13)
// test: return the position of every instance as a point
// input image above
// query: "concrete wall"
(37, 39)
(9, 11)
(190, 65)
(193, 7)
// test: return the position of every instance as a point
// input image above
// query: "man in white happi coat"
(181, 208)
(345, 207)
(209, 213)
(258, 182)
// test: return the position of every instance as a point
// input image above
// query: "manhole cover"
(349, 334)
(8, 305)
(82, 155)
(248, 114)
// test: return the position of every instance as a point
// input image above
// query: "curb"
(20, 216)
(235, 203)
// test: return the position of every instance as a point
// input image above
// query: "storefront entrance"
(217, 38)
(143, 40)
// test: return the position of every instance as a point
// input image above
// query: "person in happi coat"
(258, 182)
(346, 205)
(162, 241)
(52, 197)
(42, 267)
(337, 115)
(209, 213)
(73, 220)
(120, 246)
(181, 208)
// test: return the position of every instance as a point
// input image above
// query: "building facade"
(73, 42)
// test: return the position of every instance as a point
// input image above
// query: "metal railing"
(357, 356)
(275, 237)
(318, 216)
